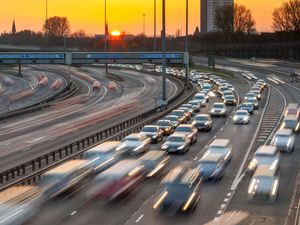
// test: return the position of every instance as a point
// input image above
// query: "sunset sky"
(123, 15)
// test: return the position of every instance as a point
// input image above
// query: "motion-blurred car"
(64, 177)
(262, 83)
(284, 140)
(153, 132)
(201, 98)
(190, 130)
(174, 120)
(247, 106)
(212, 166)
(166, 127)
(154, 162)
(135, 144)
(264, 155)
(218, 109)
(241, 117)
(291, 122)
(292, 109)
(229, 100)
(180, 190)
(103, 155)
(264, 184)
(227, 92)
(189, 106)
(221, 146)
(203, 122)
(96, 85)
(254, 102)
(118, 181)
(18, 204)
(177, 143)
(206, 87)
(183, 117)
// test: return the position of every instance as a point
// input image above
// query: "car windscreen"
(149, 129)
(207, 165)
(241, 113)
(218, 106)
(229, 97)
(175, 139)
(217, 149)
(163, 123)
(282, 138)
(201, 118)
(184, 129)
(290, 123)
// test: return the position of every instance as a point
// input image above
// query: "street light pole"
(144, 31)
(154, 36)
(187, 42)
(105, 34)
(46, 25)
(164, 64)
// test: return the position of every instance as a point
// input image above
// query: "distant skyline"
(122, 15)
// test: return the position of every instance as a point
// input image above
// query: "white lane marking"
(222, 206)
(237, 178)
(219, 212)
(11, 216)
(138, 219)
(36, 139)
(276, 82)
(277, 79)
(73, 213)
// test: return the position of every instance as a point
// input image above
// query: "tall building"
(207, 11)
(13, 29)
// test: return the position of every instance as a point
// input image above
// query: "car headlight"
(206, 123)
(245, 119)
(234, 118)
(181, 147)
(252, 165)
(154, 136)
(164, 146)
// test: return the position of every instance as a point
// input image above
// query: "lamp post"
(163, 37)
(154, 35)
(144, 31)
(187, 41)
(46, 34)
(105, 34)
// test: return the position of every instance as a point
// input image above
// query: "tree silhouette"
(57, 26)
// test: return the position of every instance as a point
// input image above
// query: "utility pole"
(164, 63)
(105, 34)
(144, 32)
(46, 26)
(154, 36)
(187, 42)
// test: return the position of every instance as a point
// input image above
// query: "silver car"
(135, 144)
(241, 117)
(264, 184)
(291, 122)
(284, 140)
(201, 98)
(218, 109)
(265, 155)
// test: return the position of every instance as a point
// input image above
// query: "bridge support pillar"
(20, 70)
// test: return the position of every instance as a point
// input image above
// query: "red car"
(118, 180)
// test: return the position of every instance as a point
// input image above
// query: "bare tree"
(287, 17)
(238, 19)
(57, 26)
(243, 21)
(79, 34)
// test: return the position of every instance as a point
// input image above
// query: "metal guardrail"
(71, 88)
(31, 171)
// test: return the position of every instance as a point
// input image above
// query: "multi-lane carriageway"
(221, 203)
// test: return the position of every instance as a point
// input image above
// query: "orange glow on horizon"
(88, 15)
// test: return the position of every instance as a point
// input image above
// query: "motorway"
(224, 202)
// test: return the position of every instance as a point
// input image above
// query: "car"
(177, 143)
(19, 204)
(229, 100)
(212, 166)
(250, 95)
(241, 117)
(264, 155)
(96, 85)
(218, 109)
(203, 122)
(154, 162)
(179, 191)
(190, 107)
(118, 181)
(230, 87)
(221, 90)
(257, 89)
(205, 95)
(247, 106)
(182, 115)
(196, 105)
(264, 184)
(262, 83)
(221, 146)
(257, 92)
(187, 111)
(166, 127)
(206, 87)
(153, 132)
(227, 92)
(201, 98)
(103, 156)
(190, 130)
(64, 177)
(291, 122)
(174, 120)
(135, 144)
(292, 109)
(254, 102)
(284, 140)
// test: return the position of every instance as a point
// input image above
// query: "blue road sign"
(33, 56)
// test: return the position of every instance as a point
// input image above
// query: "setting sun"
(116, 33)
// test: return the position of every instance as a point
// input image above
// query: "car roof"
(293, 105)
(210, 157)
(68, 167)
(153, 155)
(291, 117)
(203, 114)
(178, 135)
(122, 167)
(155, 126)
(241, 110)
(267, 150)
(220, 142)
(105, 146)
(218, 103)
(18, 194)
(266, 170)
(186, 125)
(284, 132)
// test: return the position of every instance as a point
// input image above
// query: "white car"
(241, 117)
(218, 109)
